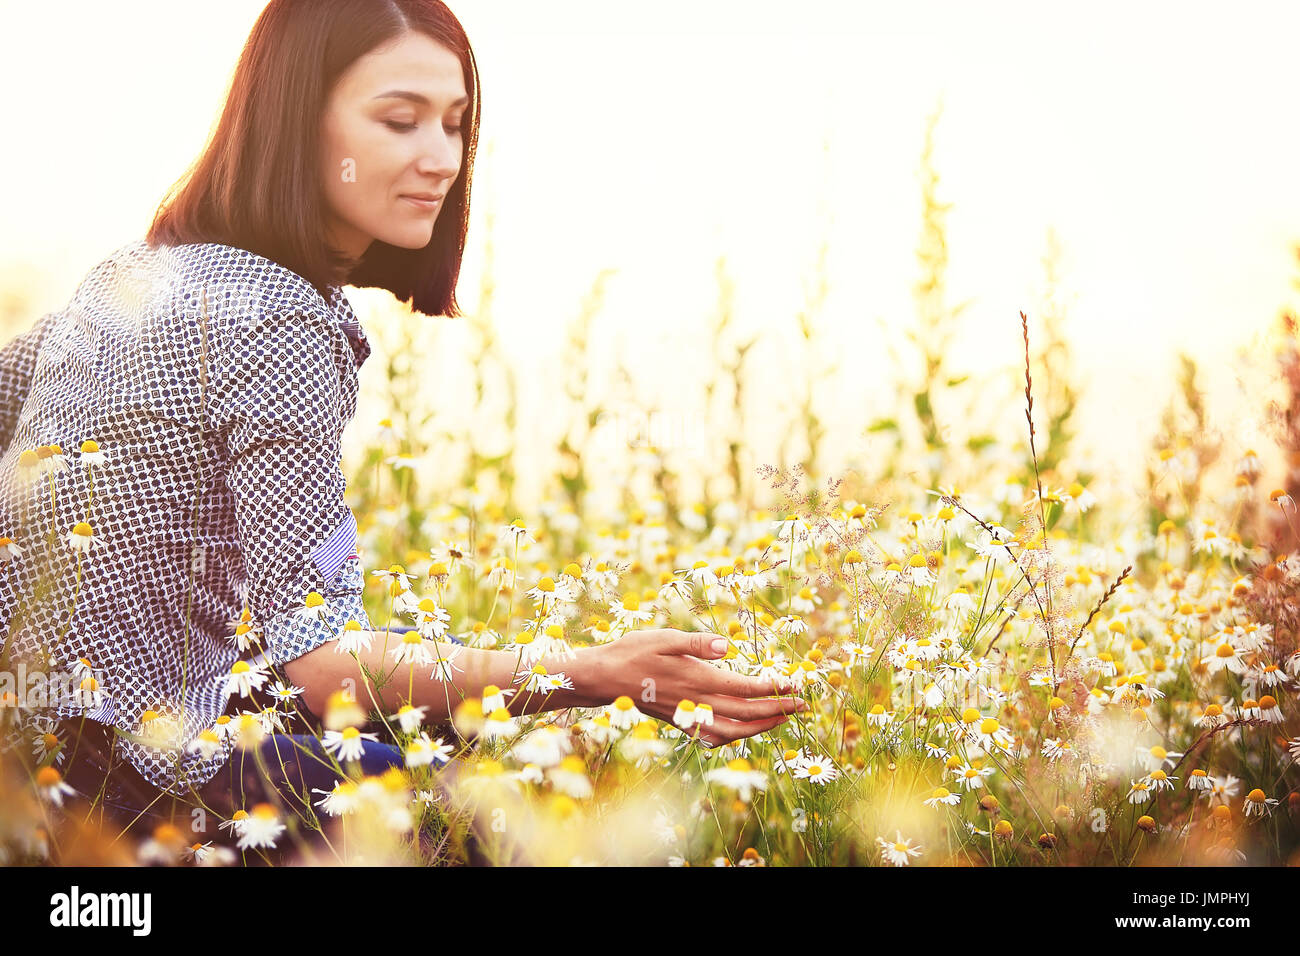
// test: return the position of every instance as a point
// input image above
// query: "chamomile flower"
(806, 600)
(82, 538)
(819, 770)
(790, 626)
(1078, 499)
(91, 455)
(410, 718)
(313, 608)
(544, 746)
(1225, 656)
(1269, 710)
(261, 829)
(547, 593)
(1257, 804)
(348, 744)
(898, 852)
(1212, 716)
(685, 714)
(539, 681)
(918, 571)
(285, 693)
(528, 649)
(598, 730)
(644, 743)
(971, 777)
(413, 649)
(942, 797)
(494, 697)
(1158, 780)
(628, 612)
(675, 588)
(51, 786)
(444, 666)
(395, 577)
(1055, 748)
(9, 550)
(959, 602)
(422, 751)
(499, 723)
(433, 622)
(623, 714)
(1223, 789)
(740, 776)
(353, 639)
(700, 574)
(1157, 757)
(208, 854)
(516, 533)
(1198, 780)
(342, 799)
(877, 716)
(550, 642)
(207, 744)
(246, 678)
(1139, 791)
(570, 777)
(991, 735)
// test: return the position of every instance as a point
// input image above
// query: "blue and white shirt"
(217, 385)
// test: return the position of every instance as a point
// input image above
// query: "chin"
(409, 239)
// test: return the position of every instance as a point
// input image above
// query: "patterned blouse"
(216, 384)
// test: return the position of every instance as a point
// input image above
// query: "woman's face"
(391, 134)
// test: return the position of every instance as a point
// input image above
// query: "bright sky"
(1157, 140)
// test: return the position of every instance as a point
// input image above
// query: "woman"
(206, 374)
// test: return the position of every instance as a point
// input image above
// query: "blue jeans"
(286, 769)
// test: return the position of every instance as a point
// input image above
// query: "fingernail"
(719, 645)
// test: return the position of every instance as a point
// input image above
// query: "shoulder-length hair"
(257, 184)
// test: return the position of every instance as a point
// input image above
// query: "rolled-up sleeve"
(279, 405)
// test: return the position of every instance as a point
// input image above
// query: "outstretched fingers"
(741, 708)
(724, 730)
(738, 685)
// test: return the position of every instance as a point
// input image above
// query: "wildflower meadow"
(1000, 668)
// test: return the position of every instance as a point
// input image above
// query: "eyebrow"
(416, 97)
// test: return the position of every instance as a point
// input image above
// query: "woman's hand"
(660, 668)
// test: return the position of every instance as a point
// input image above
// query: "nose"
(439, 155)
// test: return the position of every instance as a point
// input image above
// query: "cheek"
(359, 159)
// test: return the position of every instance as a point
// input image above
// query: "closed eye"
(407, 127)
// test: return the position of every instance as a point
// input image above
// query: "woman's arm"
(657, 669)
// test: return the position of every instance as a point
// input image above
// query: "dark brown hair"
(257, 184)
